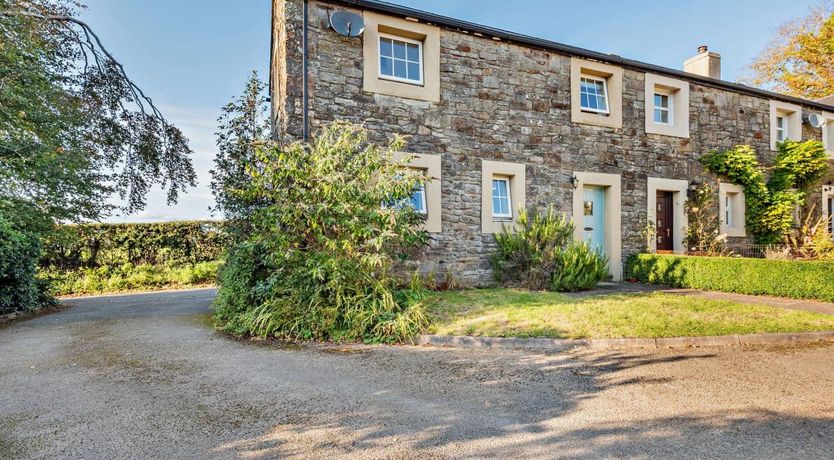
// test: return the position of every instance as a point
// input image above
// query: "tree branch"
(138, 94)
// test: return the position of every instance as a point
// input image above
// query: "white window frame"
(670, 110)
(507, 180)
(732, 210)
(781, 132)
(422, 189)
(729, 197)
(380, 56)
(604, 81)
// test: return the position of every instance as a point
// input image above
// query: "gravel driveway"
(144, 376)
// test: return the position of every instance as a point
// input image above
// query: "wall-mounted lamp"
(693, 186)
(574, 181)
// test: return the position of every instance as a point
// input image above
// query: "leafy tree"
(800, 59)
(319, 261)
(74, 129)
(242, 129)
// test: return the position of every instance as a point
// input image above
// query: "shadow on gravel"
(754, 434)
(515, 409)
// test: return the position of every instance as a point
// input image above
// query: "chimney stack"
(706, 63)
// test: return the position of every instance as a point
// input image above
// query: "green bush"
(318, 265)
(784, 278)
(579, 268)
(243, 280)
(129, 277)
(19, 287)
(541, 254)
(69, 247)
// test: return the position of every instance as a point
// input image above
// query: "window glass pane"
(417, 199)
(399, 50)
(386, 66)
(661, 100)
(502, 188)
(413, 52)
(584, 100)
(414, 71)
(385, 47)
(500, 198)
(399, 69)
(592, 95)
(602, 101)
(592, 102)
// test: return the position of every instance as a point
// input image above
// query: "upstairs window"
(828, 133)
(501, 207)
(667, 106)
(663, 108)
(785, 123)
(781, 128)
(400, 59)
(593, 94)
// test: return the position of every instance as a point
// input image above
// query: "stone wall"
(505, 102)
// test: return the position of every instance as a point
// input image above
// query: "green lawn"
(518, 313)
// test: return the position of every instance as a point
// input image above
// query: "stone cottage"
(497, 120)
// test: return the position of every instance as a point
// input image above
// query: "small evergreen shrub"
(784, 278)
(541, 254)
(579, 268)
(530, 255)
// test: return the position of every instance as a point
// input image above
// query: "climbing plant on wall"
(770, 202)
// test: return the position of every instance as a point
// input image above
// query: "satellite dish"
(816, 120)
(347, 24)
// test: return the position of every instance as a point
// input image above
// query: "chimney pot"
(703, 49)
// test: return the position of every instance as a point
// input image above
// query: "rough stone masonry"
(506, 102)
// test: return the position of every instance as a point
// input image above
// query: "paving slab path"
(145, 376)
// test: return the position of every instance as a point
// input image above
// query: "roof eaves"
(561, 48)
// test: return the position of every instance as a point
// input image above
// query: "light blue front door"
(593, 219)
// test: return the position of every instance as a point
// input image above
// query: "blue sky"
(193, 56)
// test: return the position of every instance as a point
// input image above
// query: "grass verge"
(518, 313)
(129, 277)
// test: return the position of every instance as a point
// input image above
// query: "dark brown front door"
(664, 222)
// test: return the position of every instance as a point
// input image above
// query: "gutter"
(534, 42)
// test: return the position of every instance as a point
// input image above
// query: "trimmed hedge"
(784, 278)
(71, 247)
